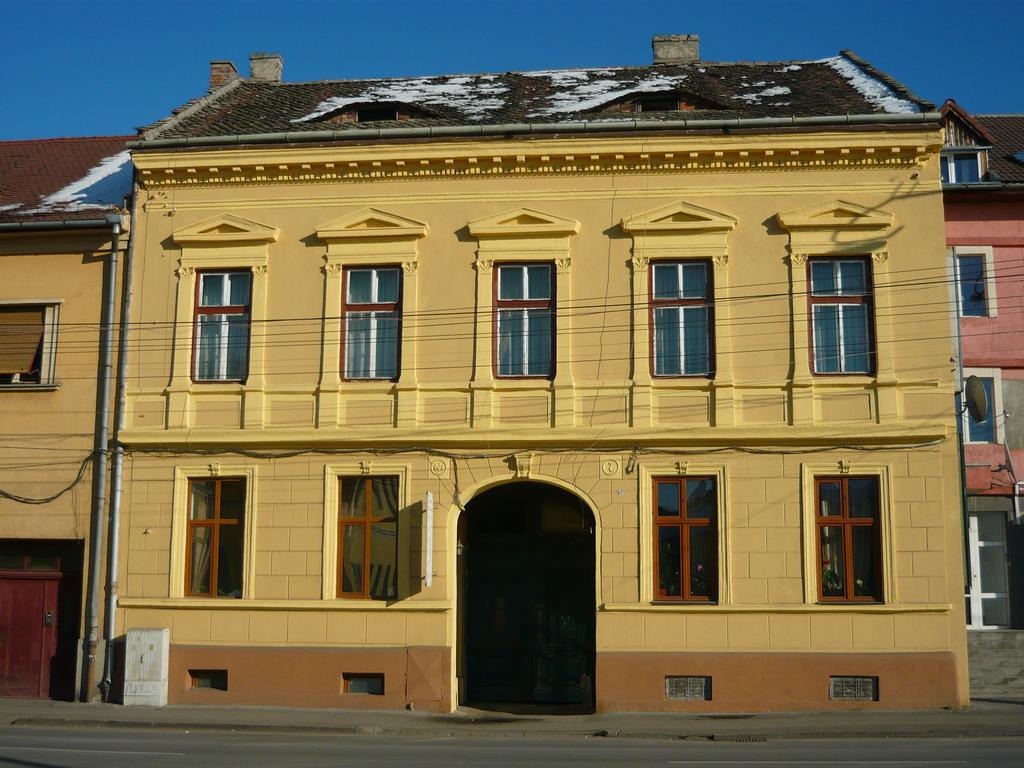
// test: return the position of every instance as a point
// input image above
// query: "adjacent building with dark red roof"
(63, 224)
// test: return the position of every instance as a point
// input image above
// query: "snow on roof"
(105, 185)
(580, 94)
(471, 96)
(753, 98)
(874, 90)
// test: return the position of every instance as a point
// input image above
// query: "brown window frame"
(550, 304)
(34, 343)
(867, 298)
(847, 523)
(366, 522)
(347, 308)
(685, 523)
(215, 523)
(219, 309)
(707, 301)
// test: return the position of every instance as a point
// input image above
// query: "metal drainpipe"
(99, 466)
(116, 471)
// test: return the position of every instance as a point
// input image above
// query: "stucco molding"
(368, 223)
(555, 157)
(226, 229)
(836, 227)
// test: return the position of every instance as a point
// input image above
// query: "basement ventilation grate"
(688, 687)
(853, 688)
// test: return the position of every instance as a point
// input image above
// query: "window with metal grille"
(688, 687)
(853, 688)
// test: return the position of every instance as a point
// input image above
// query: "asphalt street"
(157, 748)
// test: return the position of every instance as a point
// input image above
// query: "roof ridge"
(152, 130)
(54, 139)
(886, 78)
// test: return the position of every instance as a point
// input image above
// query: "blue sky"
(98, 67)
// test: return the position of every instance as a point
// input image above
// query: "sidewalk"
(985, 719)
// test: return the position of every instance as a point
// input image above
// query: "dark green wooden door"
(529, 597)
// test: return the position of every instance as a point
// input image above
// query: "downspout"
(99, 465)
(116, 472)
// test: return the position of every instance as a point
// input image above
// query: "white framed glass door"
(987, 603)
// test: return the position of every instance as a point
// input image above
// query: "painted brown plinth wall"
(631, 682)
(312, 677)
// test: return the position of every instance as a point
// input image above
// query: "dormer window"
(373, 114)
(960, 167)
(658, 102)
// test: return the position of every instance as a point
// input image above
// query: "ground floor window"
(368, 537)
(848, 537)
(215, 538)
(685, 538)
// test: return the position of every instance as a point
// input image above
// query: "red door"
(28, 632)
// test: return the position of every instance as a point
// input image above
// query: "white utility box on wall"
(145, 667)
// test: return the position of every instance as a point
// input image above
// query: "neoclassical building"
(609, 389)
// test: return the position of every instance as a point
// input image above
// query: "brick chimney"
(266, 67)
(221, 72)
(676, 49)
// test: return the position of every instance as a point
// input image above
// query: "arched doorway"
(527, 603)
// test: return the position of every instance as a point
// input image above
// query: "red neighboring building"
(983, 183)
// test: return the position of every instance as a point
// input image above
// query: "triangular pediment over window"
(523, 222)
(371, 223)
(226, 229)
(679, 217)
(836, 227)
(836, 214)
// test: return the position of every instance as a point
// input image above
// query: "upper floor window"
(975, 280)
(841, 316)
(960, 167)
(847, 523)
(222, 326)
(372, 316)
(971, 285)
(682, 318)
(368, 537)
(214, 551)
(28, 343)
(983, 431)
(525, 320)
(686, 534)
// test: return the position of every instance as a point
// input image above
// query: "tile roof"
(63, 179)
(1006, 158)
(841, 85)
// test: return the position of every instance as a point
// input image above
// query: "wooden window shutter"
(21, 331)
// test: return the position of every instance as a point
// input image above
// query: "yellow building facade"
(63, 229)
(547, 419)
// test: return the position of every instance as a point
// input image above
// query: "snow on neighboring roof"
(790, 68)
(579, 94)
(753, 98)
(10, 207)
(105, 185)
(471, 96)
(874, 90)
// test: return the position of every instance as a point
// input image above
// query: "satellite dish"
(976, 398)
